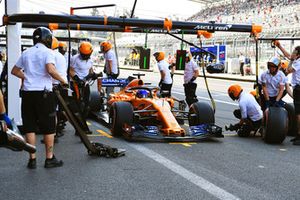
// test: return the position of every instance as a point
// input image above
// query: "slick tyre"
(275, 125)
(201, 113)
(121, 113)
(292, 119)
(95, 101)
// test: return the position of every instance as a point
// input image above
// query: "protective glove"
(192, 79)
(277, 104)
(5, 118)
(64, 85)
(268, 103)
(160, 83)
(79, 82)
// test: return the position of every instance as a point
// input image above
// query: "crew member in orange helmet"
(81, 67)
(111, 65)
(284, 65)
(165, 82)
(61, 67)
(62, 48)
(249, 114)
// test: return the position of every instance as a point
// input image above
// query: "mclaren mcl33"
(137, 112)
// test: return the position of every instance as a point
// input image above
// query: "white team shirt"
(189, 70)
(66, 56)
(61, 66)
(249, 107)
(242, 58)
(81, 67)
(33, 62)
(164, 66)
(1, 66)
(296, 74)
(273, 82)
(110, 55)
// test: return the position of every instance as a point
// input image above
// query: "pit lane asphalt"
(231, 168)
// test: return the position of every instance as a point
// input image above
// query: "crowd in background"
(269, 13)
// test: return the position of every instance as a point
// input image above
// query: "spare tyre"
(292, 131)
(275, 125)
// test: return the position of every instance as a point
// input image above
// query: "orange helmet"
(159, 55)
(105, 46)
(234, 91)
(253, 93)
(62, 45)
(54, 44)
(284, 64)
(85, 50)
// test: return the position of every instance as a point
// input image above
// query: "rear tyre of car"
(201, 113)
(292, 119)
(121, 113)
(275, 125)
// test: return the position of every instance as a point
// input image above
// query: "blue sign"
(219, 51)
(110, 82)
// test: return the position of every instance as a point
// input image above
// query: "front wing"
(152, 133)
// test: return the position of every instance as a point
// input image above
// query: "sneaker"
(296, 141)
(295, 138)
(53, 162)
(59, 134)
(31, 163)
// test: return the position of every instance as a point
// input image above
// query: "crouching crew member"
(165, 82)
(81, 66)
(36, 68)
(191, 72)
(250, 113)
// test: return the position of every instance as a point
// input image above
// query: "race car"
(137, 112)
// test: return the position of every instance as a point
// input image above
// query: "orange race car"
(137, 112)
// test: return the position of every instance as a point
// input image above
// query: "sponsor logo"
(114, 82)
(213, 28)
(175, 31)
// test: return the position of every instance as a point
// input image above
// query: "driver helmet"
(142, 94)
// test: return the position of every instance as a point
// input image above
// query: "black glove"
(192, 79)
(268, 103)
(64, 85)
(160, 83)
(76, 78)
(79, 82)
(277, 104)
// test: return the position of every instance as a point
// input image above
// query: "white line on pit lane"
(190, 176)
(220, 101)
